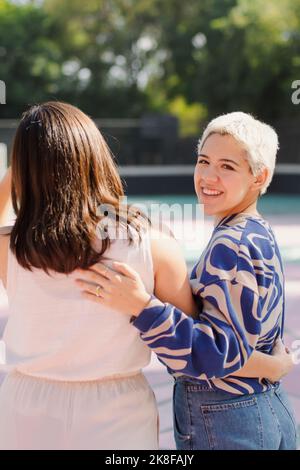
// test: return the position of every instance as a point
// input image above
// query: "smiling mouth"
(211, 192)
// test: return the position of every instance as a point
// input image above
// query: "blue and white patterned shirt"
(238, 284)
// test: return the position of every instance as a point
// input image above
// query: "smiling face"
(223, 179)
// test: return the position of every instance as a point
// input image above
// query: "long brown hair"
(62, 171)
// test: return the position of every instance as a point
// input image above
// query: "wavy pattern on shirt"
(239, 284)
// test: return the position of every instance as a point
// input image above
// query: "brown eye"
(201, 161)
(228, 167)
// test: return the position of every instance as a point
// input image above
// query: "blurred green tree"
(123, 58)
(30, 56)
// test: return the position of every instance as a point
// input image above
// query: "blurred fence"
(154, 141)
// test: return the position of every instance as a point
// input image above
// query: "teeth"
(211, 192)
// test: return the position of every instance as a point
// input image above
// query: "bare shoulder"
(166, 250)
(163, 242)
(170, 270)
(160, 229)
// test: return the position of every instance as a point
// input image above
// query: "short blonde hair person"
(258, 139)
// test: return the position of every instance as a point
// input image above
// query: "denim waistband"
(196, 385)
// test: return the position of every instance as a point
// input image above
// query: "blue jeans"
(205, 419)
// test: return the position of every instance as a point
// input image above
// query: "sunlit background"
(151, 73)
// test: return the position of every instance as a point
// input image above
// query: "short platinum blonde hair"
(259, 140)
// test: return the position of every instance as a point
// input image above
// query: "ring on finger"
(98, 288)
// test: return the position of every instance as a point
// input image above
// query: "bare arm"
(170, 271)
(5, 198)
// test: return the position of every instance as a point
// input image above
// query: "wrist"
(141, 304)
(277, 370)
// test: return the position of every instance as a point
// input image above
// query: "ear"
(260, 179)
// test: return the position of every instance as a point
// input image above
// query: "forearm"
(207, 347)
(5, 197)
(260, 365)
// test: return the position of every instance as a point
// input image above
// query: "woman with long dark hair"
(75, 379)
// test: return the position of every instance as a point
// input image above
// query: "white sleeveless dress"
(75, 379)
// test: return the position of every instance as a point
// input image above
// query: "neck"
(250, 209)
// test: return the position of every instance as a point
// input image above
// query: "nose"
(209, 174)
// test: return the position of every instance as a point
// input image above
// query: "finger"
(93, 289)
(90, 287)
(98, 268)
(91, 277)
(124, 269)
(93, 298)
(103, 270)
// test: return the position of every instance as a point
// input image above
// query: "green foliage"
(30, 56)
(123, 58)
(190, 116)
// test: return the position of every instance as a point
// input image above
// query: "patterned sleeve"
(222, 339)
